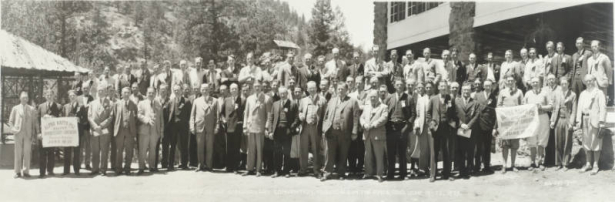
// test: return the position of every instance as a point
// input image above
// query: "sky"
(359, 16)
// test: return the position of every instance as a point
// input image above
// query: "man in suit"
(74, 109)
(401, 114)
(324, 89)
(356, 68)
(579, 66)
(176, 125)
(230, 73)
(549, 60)
(182, 108)
(489, 70)
(84, 142)
(396, 70)
(23, 124)
(149, 113)
(100, 116)
(204, 123)
(341, 117)
(375, 67)
(301, 75)
(232, 119)
(442, 121)
(486, 102)
(143, 76)
(465, 108)
(472, 69)
(283, 122)
(451, 73)
(125, 131)
(562, 61)
(356, 152)
(337, 66)
(373, 120)
(48, 109)
(288, 71)
(459, 69)
(77, 85)
(313, 74)
(311, 112)
(258, 109)
(599, 65)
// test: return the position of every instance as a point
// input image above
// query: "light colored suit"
(100, 115)
(149, 113)
(377, 69)
(204, 123)
(598, 66)
(256, 114)
(311, 124)
(125, 131)
(22, 123)
(341, 120)
(373, 120)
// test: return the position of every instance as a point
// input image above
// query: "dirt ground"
(549, 185)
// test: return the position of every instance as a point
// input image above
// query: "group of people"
(327, 118)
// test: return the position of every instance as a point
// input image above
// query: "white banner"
(517, 122)
(60, 132)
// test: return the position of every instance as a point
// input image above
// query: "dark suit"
(401, 114)
(466, 113)
(179, 113)
(192, 147)
(77, 86)
(231, 76)
(579, 70)
(562, 65)
(283, 132)
(356, 69)
(472, 72)
(232, 116)
(85, 141)
(341, 120)
(342, 70)
(484, 127)
(460, 74)
(79, 111)
(441, 115)
(125, 133)
(47, 155)
(483, 72)
(167, 135)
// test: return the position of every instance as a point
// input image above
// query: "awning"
(17, 53)
(285, 44)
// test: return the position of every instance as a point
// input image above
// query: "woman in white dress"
(591, 116)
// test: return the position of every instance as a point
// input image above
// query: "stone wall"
(462, 35)
(380, 26)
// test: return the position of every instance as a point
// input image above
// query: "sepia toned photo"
(306, 100)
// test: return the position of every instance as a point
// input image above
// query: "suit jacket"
(147, 113)
(378, 69)
(100, 114)
(562, 65)
(291, 116)
(564, 105)
(375, 118)
(77, 85)
(597, 107)
(437, 107)
(346, 109)
(78, 111)
(460, 72)
(486, 110)
(408, 108)
(132, 117)
(204, 115)
(258, 110)
(23, 120)
(179, 111)
(395, 70)
(484, 69)
(472, 72)
(320, 102)
(232, 112)
(579, 64)
(601, 69)
(356, 69)
(48, 108)
(466, 112)
(229, 76)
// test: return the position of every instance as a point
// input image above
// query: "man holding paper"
(465, 107)
(48, 109)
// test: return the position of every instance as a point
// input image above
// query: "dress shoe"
(431, 179)
(380, 179)
(64, 174)
(26, 175)
(595, 170)
(247, 173)
(542, 167)
(17, 175)
(324, 177)
(366, 177)
(140, 172)
(87, 167)
(103, 173)
(585, 168)
(287, 175)
(258, 174)
(342, 178)
(41, 176)
(514, 169)
(51, 174)
(171, 169)
(94, 173)
(275, 175)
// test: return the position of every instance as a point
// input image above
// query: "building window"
(415, 8)
(398, 11)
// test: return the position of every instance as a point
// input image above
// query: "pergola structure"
(28, 67)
